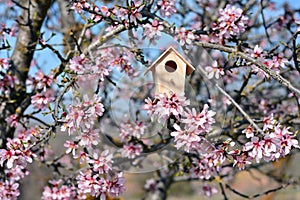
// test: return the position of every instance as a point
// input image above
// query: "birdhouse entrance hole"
(171, 66)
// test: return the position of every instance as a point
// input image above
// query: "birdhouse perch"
(169, 72)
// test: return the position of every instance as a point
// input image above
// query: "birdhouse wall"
(172, 80)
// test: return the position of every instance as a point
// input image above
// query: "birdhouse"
(169, 72)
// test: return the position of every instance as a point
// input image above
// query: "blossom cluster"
(231, 22)
(166, 7)
(14, 160)
(195, 124)
(99, 180)
(164, 106)
(82, 115)
(184, 36)
(94, 185)
(277, 142)
(129, 132)
(275, 62)
(102, 65)
(153, 31)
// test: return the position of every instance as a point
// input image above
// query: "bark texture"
(33, 15)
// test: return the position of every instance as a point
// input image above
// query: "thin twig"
(259, 64)
(256, 195)
(234, 103)
(223, 191)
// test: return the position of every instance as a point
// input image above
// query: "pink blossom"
(21, 146)
(153, 31)
(82, 115)
(242, 160)
(151, 184)
(7, 82)
(184, 36)
(4, 63)
(199, 122)
(41, 81)
(231, 22)
(17, 152)
(58, 191)
(208, 190)
(203, 168)
(100, 68)
(80, 5)
(169, 106)
(131, 150)
(286, 140)
(279, 61)
(9, 190)
(255, 148)
(116, 185)
(131, 129)
(83, 157)
(150, 106)
(269, 122)
(71, 147)
(214, 70)
(77, 64)
(135, 15)
(88, 138)
(258, 52)
(90, 184)
(9, 156)
(12, 120)
(249, 131)
(16, 173)
(105, 10)
(166, 7)
(103, 163)
(188, 140)
(42, 99)
(125, 65)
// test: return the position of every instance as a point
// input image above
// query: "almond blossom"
(71, 147)
(12, 120)
(101, 163)
(4, 63)
(214, 70)
(135, 13)
(199, 123)
(166, 7)
(82, 114)
(131, 150)
(168, 106)
(77, 64)
(41, 100)
(58, 191)
(78, 6)
(231, 22)
(131, 129)
(9, 190)
(208, 190)
(184, 36)
(153, 31)
(186, 139)
(249, 131)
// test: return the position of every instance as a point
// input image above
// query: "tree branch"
(274, 75)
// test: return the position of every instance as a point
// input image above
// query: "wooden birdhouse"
(169, 72)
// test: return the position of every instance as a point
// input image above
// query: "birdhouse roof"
(189, 67)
